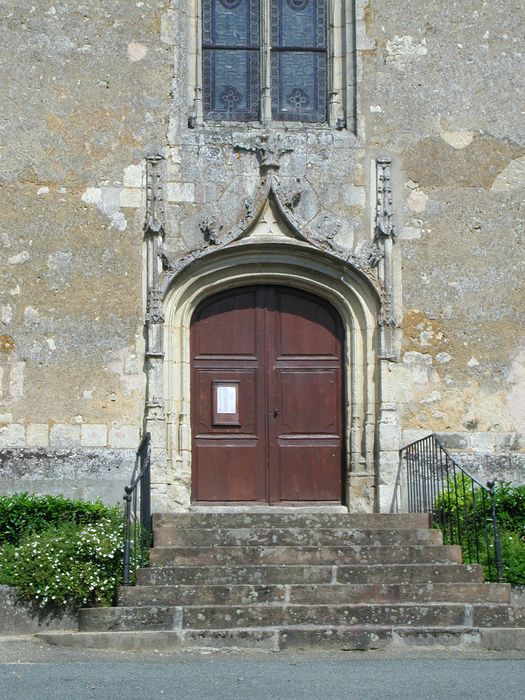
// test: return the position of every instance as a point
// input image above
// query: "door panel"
(308, 402)
(227, 471)
(312, 333)
(266, 398)
(309, 475)
(226, 318)
(242, 420)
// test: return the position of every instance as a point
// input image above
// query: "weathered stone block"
(94, 435)
(455, 441)
(64, 435)
(38, 435)
(483, 442)
(13, 435)
(124, 436)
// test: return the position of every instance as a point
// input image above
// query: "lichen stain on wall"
(442, 385)
(432, 162)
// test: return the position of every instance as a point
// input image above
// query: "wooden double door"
(266, 398)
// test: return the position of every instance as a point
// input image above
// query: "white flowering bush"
(72, 565)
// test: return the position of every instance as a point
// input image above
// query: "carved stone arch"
(267, 260)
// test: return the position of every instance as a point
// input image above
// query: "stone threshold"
(266, 509)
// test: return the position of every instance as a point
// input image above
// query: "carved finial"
(154, 223)
(384, 222)
(268, 149)
(210, 230)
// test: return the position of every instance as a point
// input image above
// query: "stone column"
(154, 420)
(389, 428)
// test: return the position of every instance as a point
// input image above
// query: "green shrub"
(59, 551)
(461, 512)
(7, 563)
(71, 565)
(23, 513)
(510, 507)
(513, 557)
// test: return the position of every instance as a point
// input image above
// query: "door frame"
(369, 410)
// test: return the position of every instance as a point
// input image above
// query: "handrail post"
(138, 492)
(127, 542)
(497, 544)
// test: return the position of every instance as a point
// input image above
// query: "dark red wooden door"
(266, 398)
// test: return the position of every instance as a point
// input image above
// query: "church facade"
(282, 236)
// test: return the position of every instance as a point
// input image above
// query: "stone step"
(288, 554)
(334, 638)
(498, 616)
(305, 521)
(221, 575)
(284, 615)
(263, 536)
(201, 595)
(314, 594)
(286, 574)
(325, 594)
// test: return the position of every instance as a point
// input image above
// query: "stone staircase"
(292, 580)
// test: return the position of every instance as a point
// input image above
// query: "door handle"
(275, 412)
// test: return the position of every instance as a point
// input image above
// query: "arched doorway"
(267, 398)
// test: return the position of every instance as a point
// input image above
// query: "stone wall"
(85, 95)
(91, 89)
(17, 617)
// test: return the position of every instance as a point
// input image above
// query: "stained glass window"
(298, 60)
(231, 59)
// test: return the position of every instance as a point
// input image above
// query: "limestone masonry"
(123, 208)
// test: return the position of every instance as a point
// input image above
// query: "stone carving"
(210, 230)
(154, 230)
(268, 148)
(164, 256)
(154, 309)
(292, 199)
(384, 237)
(369, 254)
(321, 237)
(328, 230)
(154, 223)
(384, 223)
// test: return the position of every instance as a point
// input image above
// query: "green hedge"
(23, 513)
(60, 552)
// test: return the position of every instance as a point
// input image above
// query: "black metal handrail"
(137, 512)
(462, 507)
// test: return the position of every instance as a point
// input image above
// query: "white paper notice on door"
(226, 399)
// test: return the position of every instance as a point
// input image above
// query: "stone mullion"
(266, 94)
